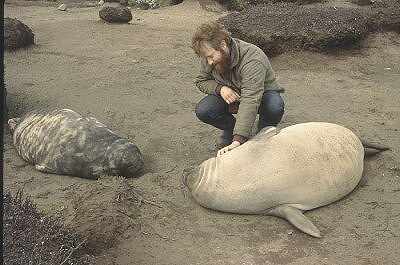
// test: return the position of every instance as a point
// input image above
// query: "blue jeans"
(213, 110)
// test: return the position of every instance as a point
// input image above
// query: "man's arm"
(253, 77)
(205, 82)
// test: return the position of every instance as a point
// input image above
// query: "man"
(234, 72)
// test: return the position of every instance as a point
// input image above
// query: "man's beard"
(223, 66)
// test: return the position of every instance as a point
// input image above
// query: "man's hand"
(229, 95)
(228, 148)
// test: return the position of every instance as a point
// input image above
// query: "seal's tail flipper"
(373, 149)
(296, 218)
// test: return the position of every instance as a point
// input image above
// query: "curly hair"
(213, 33)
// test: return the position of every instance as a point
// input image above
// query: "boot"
(223, 140)
(226, 138)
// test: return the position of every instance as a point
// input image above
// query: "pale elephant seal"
(63, 142)
(303, 167)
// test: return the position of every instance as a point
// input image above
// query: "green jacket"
(250, 75)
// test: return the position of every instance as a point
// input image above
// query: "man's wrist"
(239, 138)
(218, 89)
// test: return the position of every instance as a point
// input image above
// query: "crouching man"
(238, 79)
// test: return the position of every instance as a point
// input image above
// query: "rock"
(62, 7)
(115, 14)
(176, 2)
(281, 27)
(17, 34)
(386, 15)
(243, 4)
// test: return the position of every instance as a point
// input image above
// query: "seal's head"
(13, 123)
(124, 159)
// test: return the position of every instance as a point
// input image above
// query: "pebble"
(62, 7)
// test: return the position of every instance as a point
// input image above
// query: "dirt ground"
(137, 79)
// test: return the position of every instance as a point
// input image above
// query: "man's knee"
(273, 103)
(202, 111)
(272, 109)
(276, 110)
(208, 108)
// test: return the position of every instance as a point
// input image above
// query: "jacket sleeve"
(205, 82)
(253, 77)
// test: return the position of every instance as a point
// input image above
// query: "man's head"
(210, 41)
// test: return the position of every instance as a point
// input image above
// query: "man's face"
(216, 58)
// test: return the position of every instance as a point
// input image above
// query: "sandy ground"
(137, 79)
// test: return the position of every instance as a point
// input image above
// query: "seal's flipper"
(296, 218)
(44, 169)
(378, 147)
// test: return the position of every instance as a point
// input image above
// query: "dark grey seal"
(64, 142)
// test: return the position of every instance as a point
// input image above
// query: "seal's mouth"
(184, 187)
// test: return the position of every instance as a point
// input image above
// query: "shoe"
(222, 142)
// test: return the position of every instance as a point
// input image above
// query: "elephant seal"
(63, 142)
(303, 167)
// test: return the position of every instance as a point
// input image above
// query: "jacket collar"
(234, 53)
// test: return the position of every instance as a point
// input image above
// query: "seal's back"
(306, 165)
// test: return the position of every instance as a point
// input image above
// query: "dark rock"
(243, 4)
(385, 15)
(115, 14)
(283, 27)
(385, 3)
(17, 34)
(362, 2)
(176, 2)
